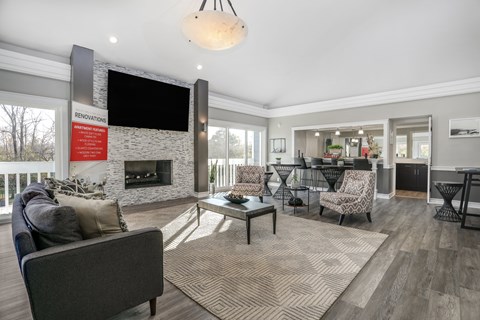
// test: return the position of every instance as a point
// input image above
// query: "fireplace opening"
(148, 173)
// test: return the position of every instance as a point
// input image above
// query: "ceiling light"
(214, 30)
(113, 39)
(337, 133)
(199, 67)
(360, 131)
(317, 134)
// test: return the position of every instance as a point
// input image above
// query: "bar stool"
(316, 174)
(448, 190)
(268, 175)
(304, 170)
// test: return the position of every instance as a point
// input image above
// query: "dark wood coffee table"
(244, 211)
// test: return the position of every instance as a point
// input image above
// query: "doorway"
(412, 157)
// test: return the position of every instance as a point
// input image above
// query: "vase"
(211, 189)
(295, 184)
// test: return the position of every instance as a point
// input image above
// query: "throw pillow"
(32, 190)
(50, 223)
(354, 187)
(55, 184)
(97, 217)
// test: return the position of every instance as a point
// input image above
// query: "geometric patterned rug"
(298, 273)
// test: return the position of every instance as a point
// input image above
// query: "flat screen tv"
(144, 103)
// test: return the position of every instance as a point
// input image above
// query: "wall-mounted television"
(139, 102)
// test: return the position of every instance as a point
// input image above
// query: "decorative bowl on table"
(235, 198)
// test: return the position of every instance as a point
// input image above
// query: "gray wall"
(445, 151)
(33, 85)
(226, 115)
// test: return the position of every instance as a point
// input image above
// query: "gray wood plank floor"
(426, 269)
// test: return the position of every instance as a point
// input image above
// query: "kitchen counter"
(410, 160)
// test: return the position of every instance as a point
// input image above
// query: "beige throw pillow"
(97, 217)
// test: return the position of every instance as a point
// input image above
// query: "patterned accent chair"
(354, 196)
(249, 181)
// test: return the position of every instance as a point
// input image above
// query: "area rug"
(296, 274)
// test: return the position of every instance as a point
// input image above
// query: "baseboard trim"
(387, 196)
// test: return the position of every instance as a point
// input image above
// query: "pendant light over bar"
(214, 29)
(337, 133)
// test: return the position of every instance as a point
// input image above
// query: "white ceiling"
(296, 52)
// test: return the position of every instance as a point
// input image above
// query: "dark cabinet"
(411, 176)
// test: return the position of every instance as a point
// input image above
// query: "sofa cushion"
(50, 223)
(32, 190)
(338, 197)
(97, 217)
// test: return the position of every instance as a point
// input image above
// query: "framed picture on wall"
(278, 145)
(464, 128)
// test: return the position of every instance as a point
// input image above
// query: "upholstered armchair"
(249, 181)
(355, 196)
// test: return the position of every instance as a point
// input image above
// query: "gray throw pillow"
(32, 190)
(50, 223)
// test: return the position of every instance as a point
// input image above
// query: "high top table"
(283, 171)
(467, 184)
(332, 173)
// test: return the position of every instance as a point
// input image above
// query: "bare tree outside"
(26, 134)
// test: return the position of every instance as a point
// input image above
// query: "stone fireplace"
(140, 145)
(148, 173)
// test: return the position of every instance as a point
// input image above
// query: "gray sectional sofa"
(87, 279)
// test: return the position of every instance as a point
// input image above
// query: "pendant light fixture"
(214, 29)
(317, 134)
(360, 131)
(337, 133)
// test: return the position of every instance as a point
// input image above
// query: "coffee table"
(244, 211)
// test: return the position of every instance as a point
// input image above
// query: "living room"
(38, 72)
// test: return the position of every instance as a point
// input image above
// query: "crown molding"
(410, 94)
(23, 63)
(416, 93)
(226, 103)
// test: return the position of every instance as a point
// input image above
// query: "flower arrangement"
(373, 147)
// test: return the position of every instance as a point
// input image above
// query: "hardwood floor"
(426, 269)
(410, 194)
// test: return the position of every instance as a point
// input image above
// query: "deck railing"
(225, 172)
(15, 176)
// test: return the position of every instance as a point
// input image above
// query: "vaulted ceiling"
(296, 52)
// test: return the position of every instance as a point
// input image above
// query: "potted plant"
(335, 149)
(278, 160)
(212, 175)
(295, 179)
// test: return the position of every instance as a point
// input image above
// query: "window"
(231, 147)
(420, 145)
(401, 146)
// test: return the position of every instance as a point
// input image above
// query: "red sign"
(89, 142)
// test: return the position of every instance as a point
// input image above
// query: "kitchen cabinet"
(411, 176)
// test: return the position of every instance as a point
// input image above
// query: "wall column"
(200, 121)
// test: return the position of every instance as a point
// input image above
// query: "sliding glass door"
(232, 146)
